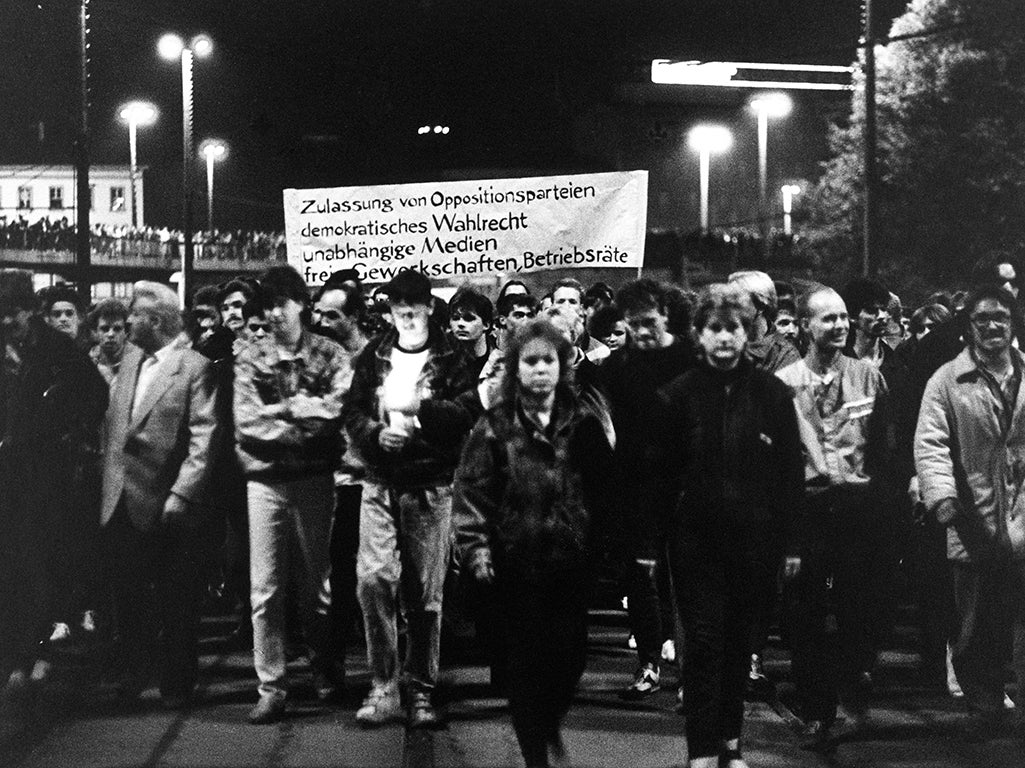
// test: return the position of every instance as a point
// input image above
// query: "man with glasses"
(970, 458)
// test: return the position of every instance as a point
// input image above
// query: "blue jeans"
(404, 543)
(289, 540)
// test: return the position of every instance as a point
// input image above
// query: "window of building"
(56, 197)
(25, 197)
(117, 199)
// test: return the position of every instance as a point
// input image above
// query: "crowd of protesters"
(739, 457)
(114, 241)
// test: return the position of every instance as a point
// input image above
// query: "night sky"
(330, 92)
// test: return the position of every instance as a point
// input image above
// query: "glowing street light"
(213, 150)
(136, 113)
(707, 140)
(788, 191)
(768, 105)
(172, 47)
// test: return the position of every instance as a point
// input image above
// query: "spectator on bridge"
(288, 400)
(109, 319)
(971, 467)
(522, 497)
(731, 446)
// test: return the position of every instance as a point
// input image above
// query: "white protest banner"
(457, 229)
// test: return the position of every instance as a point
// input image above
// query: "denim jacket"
(271, 444)
(444, 418)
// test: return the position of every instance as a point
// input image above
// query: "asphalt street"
(74, 719)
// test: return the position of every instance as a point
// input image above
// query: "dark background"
(330, 93)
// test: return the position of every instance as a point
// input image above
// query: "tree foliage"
(951, 144)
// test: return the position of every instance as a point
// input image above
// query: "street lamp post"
(788, 191)
(769, 105)
(173, 47)
(706, 140)
(213, 150)
(135, 114)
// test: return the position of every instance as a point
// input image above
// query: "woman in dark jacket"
(733, 453)
(522, 528)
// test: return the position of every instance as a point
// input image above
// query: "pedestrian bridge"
(122, 259)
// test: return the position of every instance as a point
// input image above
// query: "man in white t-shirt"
(406, 425)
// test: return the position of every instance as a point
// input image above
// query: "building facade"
(36, 192)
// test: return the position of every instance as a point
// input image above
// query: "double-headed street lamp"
(706, 140)
(766, 106)
(213, 150)
(136, 113)
(172, 47)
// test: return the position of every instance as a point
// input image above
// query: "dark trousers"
(42, 535)
(990, 603)
(344, 544)
(724, 573)
(835, 607)
(649, 587)
(545, 627)
(156, 579)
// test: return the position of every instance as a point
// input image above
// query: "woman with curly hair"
(528, 472)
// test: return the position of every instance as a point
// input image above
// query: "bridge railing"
(58, 248)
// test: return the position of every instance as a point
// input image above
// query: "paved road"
(73, 720)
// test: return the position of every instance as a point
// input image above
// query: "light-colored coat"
(165, 446)
(962, 452)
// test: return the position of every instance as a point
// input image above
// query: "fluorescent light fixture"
(724, 74)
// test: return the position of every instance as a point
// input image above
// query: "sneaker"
(815, 736)
(953, 687)
(1008, 702)
(669, 651)
(61, 633)
(88, 623)
(269, 709)
(646, 682)
(422, 713)
(382, 705)
(631, 643)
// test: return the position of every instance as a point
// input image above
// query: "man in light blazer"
(157, 443)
